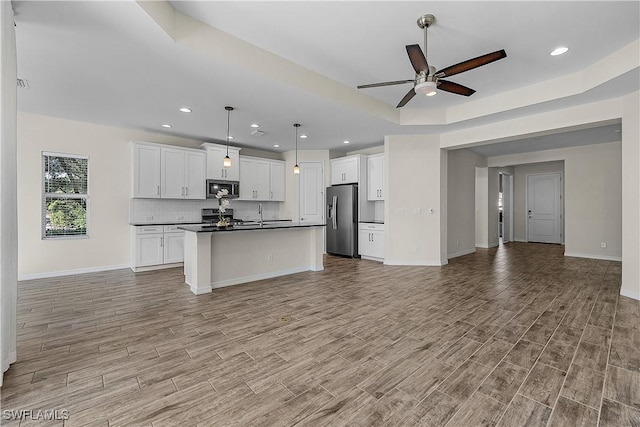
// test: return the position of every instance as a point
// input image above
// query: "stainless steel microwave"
(214, 185)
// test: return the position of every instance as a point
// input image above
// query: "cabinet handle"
(271, 194)
(158, 190)
(161, 241)
(186, 191)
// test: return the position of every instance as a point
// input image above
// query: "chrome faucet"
(260, 212)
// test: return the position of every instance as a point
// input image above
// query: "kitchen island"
(215, 257)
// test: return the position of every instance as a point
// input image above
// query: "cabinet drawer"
(367, 226)
(149, 229)
(172, 228)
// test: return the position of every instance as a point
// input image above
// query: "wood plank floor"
(514, 336)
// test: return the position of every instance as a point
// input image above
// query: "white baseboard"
(521, 240)
(372, 258)
(270, 275)
(11, 358)
(629, 294)
(593, 256)
(157, 267)
(71, 272)
(462, 253)
(415, 263)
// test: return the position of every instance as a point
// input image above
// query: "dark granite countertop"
(148, 224)
(247, 227)
(372, 222)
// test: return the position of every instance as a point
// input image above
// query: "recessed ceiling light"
(166, 126)
(255, 125)
(303, 136)
(185, 110)
(276, 145)
(559, 51)
(346, 142)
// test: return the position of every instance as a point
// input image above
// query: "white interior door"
(544, 208)
(311, 192)
(507, 207)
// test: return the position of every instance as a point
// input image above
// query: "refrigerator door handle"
(334, 218)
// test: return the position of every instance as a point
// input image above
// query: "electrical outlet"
(179, 217)
(270, 258)
(148, 218)
(417, 249)
(399, 211)
(603, 245)
(457, 243)
(418, 211)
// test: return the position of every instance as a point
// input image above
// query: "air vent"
(258, 132)
(23, 83)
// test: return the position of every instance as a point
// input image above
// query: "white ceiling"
(111, 63)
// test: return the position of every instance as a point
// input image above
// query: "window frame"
(44, 196)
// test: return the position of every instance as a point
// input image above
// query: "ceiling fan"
(427, 78)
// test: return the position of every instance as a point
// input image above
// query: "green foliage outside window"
(65, 198)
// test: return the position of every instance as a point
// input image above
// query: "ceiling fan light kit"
(427, 79)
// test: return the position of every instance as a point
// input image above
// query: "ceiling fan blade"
(406, 98)
(396, 82)
(455, 88)
(472, 63)
(417, 59)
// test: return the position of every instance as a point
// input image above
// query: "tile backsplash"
(158, 211)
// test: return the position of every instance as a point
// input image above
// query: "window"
(65, 195)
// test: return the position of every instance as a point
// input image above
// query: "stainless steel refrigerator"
(342, 220)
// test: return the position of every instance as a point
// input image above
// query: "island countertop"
(267, 226)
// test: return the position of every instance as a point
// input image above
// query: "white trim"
(372, 258)
(72, 272)
(492, 245)
(633, 295)
(415, 263)
(462, 253)
(156, 267)
(262, 276)
(593, 256)
(521, 240)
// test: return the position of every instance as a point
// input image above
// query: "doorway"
(544, 208)
(505, 207)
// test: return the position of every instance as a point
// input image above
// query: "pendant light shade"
(227, 160)
(296, 168)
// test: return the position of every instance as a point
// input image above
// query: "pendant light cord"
(228, 121)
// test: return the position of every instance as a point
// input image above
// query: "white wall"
(414, 168)
(631, 196)
(109, 193)
(592, 193)
(461, 205)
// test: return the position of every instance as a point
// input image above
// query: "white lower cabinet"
(371, 241)
(156, 245)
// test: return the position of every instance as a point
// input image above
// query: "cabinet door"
(173, 247)
(194, 175)
(215, 157)
(364, 242)
(344, 170)
(149, 249)
(377, 244)
(262, 179)
(375, 175)
(277, 182)
(247, 179)
(146, 171)
(232, 173)
(172, 173)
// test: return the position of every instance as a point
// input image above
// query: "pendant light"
(296, 168)
(227, 160)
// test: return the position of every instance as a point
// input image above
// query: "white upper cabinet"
(345, 170)
(258, 183)
(195, 164)
(167, 172)
(172, 173)
(145, 181)
(375, 174)
(277, 181)
(215, 158)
